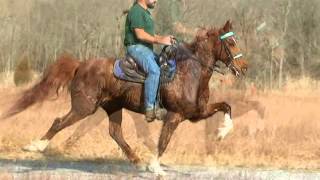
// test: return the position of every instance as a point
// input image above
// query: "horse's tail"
(57, 76)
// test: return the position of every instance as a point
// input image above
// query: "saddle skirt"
(128, 70)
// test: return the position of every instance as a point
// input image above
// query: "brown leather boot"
(150, 115)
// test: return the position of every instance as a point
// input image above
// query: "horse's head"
(227, 50)
(221, 45)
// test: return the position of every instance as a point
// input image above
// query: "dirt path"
(118, 169)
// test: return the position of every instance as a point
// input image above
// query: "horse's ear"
(228, 26)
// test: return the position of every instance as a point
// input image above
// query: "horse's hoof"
(36, 146)
(141, 167)
(227, 127)
(155, 167)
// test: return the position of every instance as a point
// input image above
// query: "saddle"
(128, 70)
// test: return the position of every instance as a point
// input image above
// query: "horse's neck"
(186, 55)
(203, 91)
(190, 63)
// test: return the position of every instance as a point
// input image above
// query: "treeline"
(279, 37)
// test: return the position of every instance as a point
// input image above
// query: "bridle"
(230, 65)
(230, 56)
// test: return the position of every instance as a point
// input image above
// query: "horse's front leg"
(169, 126)
(115, 131)
(210, 109)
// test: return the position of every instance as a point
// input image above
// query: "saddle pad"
(117, 71)
(129, 75)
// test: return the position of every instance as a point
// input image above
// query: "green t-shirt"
(138, 17)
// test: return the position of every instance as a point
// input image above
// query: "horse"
(225, 89)
(92, 84)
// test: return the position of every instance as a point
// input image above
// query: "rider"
(139, 40)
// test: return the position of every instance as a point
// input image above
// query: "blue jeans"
(146, 59)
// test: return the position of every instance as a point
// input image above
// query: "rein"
(215, 67)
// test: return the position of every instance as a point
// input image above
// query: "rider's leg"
(146, 59)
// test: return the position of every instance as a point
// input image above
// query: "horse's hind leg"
(115, 131)
(80, 109)
(58, 124)
(143, 131)
(87, 125)
(61, 123)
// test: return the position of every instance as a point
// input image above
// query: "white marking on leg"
(36, 146)
(226, 128)
(154, 166)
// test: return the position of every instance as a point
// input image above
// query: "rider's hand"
(173, 40)
(166, 40)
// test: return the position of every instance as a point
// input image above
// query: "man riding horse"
(139, 40)
(93, 84)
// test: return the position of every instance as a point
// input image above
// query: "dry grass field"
(288, 136)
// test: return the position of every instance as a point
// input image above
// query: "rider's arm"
(156, 39)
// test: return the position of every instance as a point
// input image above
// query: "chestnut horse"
(93, 84)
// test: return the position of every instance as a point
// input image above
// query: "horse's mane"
(198, 46)
(198, 51)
